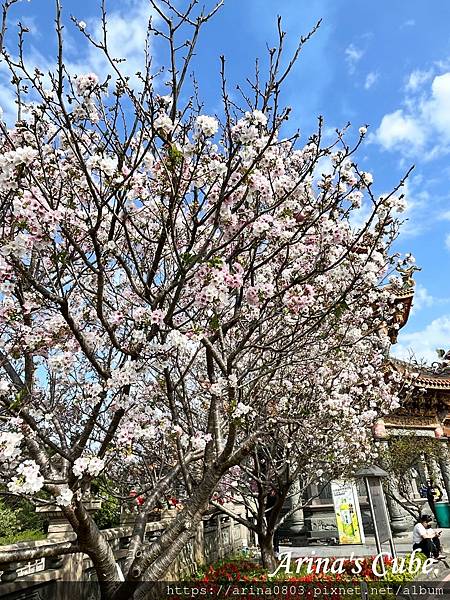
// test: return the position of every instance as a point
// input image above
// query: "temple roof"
(403, 302)
(429, 377)
(403, 292)
(435, 377)
(431, 383)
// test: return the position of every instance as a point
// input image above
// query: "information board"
(347, 512)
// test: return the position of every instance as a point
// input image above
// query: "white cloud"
(424, 124)
(416, 79)
(360, 216)
(447, 241)
(423, 344)
(324, 167)
(425, 211)
(436, 109)
(126, 31)
(352, 56)
(420, 215)
(329, 134)
(408, 23)
(371, 79)
(415, 219)
(31, 24)
(8, 106)
(422, 299)
(398, 129)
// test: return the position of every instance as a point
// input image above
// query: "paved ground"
(403, 545)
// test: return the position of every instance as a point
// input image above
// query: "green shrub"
(109, 514)
(19, 522)
(22, 536)
(9, 521)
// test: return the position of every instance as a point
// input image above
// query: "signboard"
(379, 512)
(348, 514)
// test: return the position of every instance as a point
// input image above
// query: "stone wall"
(68, 577)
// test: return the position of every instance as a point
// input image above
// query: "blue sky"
(384, 63)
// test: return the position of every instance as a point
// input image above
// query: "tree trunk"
(267, 551)
(98, 549)
(154, 562)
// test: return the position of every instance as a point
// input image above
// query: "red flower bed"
(248, 580)
(245, 570)
(227, 571)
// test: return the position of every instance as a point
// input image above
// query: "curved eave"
(437, 383)
(420, 378)
(405, 298)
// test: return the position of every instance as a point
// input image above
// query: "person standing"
(434, 494)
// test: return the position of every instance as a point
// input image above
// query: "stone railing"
(217, 536)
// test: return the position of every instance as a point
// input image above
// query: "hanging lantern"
(379, 429)
(439, 432)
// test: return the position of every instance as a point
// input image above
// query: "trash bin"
(443, 514)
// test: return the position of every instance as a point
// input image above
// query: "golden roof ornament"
(406, 274)
(403, 292)
(442, 366)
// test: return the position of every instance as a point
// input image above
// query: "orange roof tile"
(422, 376)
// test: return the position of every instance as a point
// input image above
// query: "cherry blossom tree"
(329, 438)
(176, 286)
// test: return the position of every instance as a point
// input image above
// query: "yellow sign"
(347, 511)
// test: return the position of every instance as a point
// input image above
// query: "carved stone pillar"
(72, 565)
(400, 518)
(423, 470)
(59, 527)
(295, 523)
(444, 463)
(414, 486)
(435, 471)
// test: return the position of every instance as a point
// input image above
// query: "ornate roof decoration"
(434, 377)
(404, 293)
(406, 274)
(430, 382)
(442, 367)
(403, 304)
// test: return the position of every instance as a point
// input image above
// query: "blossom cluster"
(164, 291)
(88, 464)
(28, 479)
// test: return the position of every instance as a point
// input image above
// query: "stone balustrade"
(217, 536)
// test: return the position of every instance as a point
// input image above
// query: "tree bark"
(94, 544)
(161, 554)
(267, 551)
(152, 564)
